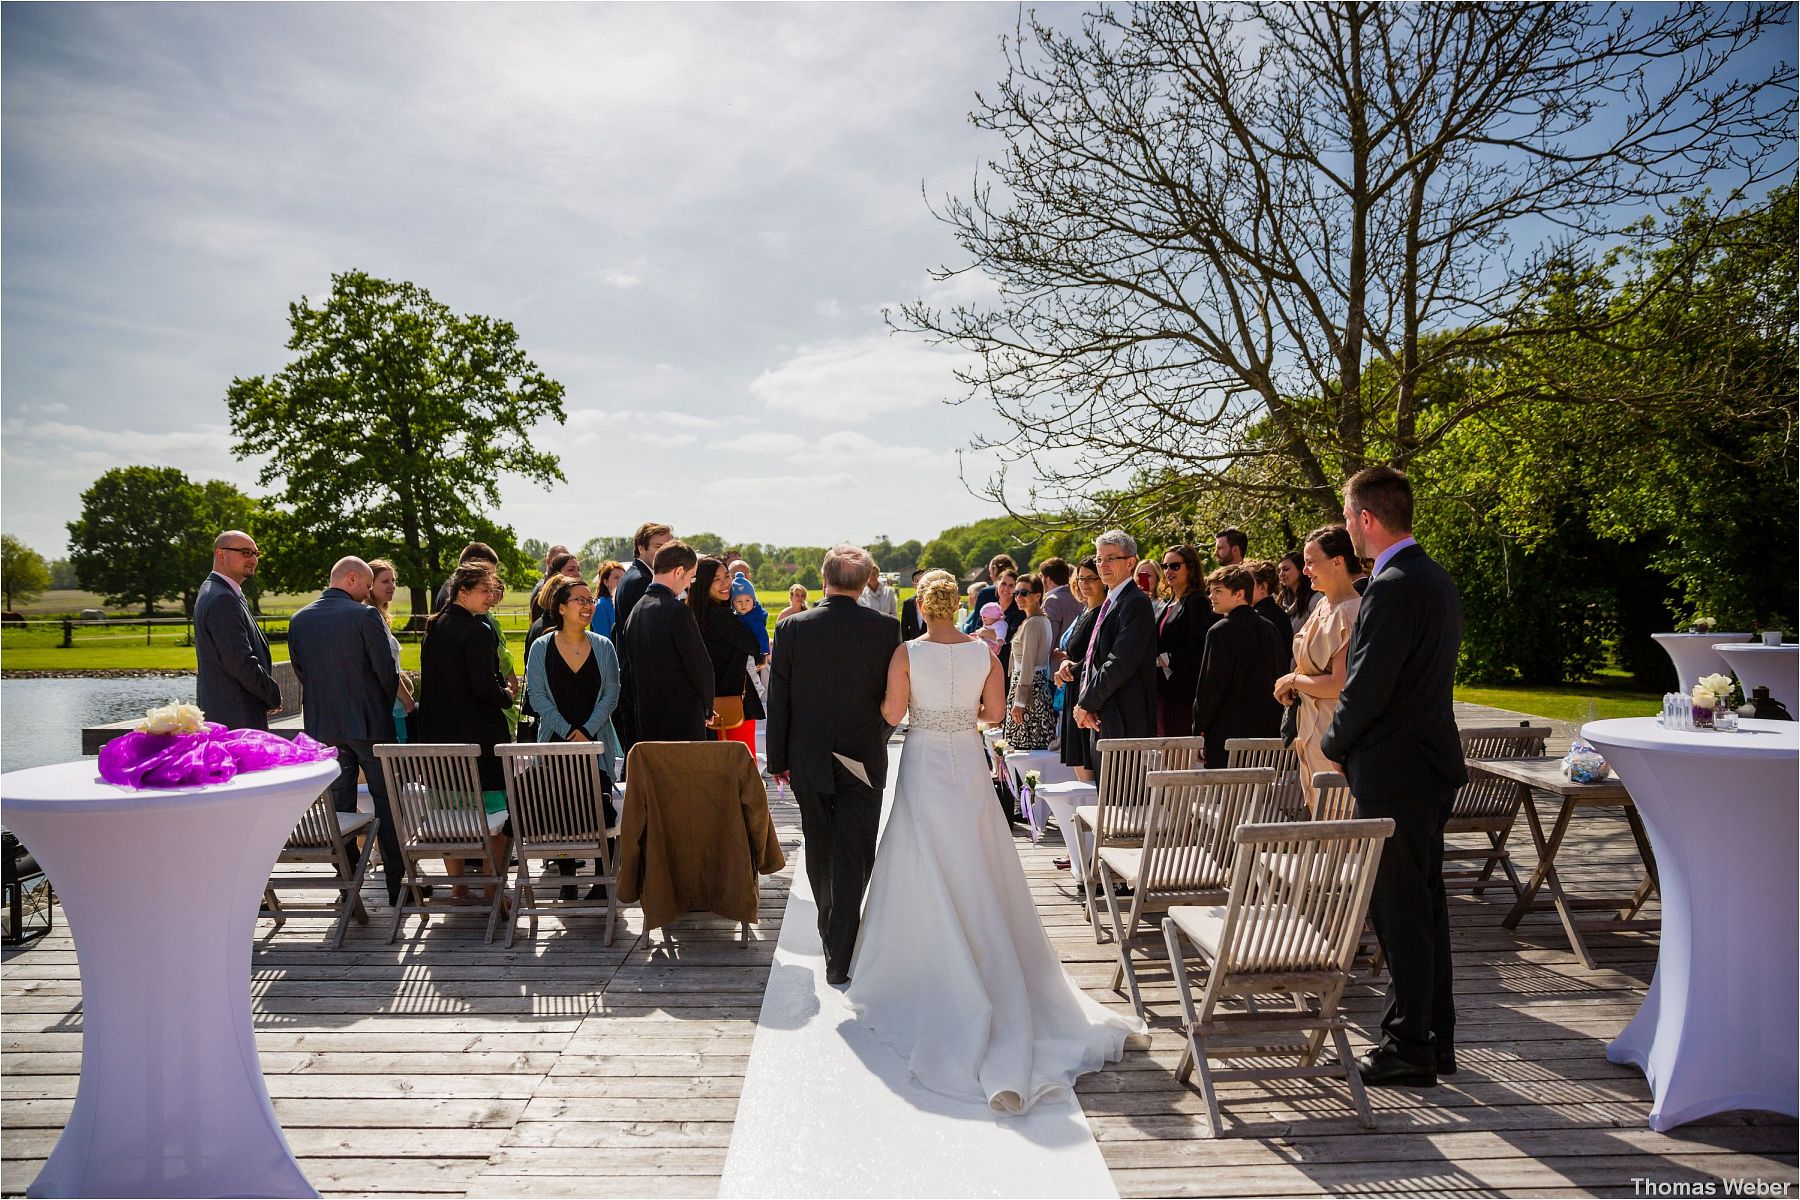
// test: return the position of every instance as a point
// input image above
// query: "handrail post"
(68, 641)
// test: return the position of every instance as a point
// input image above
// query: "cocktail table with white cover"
(1693, 655)
(1717, 1029)
(161, 889)
(1774, 667)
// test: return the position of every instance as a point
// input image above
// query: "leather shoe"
(1384, 1068)
(1446, 1057)
(836, 978)
(1061, 864)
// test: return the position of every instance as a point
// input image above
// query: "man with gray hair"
(828, 739)
(340, 652)
(1118, 678)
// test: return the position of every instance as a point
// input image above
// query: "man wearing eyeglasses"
(1118, 689)
(236, 686)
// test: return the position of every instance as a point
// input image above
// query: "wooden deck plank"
(445, 1066)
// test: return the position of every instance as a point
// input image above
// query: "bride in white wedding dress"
(953, 968)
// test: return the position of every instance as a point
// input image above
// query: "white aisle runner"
(828, 1111)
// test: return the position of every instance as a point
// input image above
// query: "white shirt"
(1386, 556)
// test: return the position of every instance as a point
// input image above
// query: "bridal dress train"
(953, 968)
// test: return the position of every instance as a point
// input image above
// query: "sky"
(693, 214)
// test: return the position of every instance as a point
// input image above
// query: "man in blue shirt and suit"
(236, 685)
(340, 651)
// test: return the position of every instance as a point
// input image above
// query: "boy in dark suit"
(1236, 693)
(1395, 733)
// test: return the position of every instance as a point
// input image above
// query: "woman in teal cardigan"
(572, 675)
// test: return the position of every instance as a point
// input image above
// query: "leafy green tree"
(388, 431)
(62, 575)
(219, 506)
(940, 555)
(23, 573)
(1210, 224)
(131, 539)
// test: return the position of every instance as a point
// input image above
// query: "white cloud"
(859, 379)
(621, 279)
(765, 441)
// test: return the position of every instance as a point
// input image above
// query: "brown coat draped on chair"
(695, 833)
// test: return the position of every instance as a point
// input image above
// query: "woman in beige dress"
(1321, 649)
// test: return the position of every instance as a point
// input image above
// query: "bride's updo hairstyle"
(938, 595)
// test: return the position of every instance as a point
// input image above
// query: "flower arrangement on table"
(1711, 694)
(175, 746)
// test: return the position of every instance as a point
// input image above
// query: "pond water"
(41, 719)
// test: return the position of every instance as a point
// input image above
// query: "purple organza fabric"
(178, 760)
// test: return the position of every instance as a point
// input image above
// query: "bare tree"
(1233, 241)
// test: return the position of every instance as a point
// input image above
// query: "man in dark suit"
(1395, 733)
(911, 625)
(1235, 695)
(1118, 690)
(340, 652)
(651, 536)
(236, 685)
(671, 673)
(826, 685)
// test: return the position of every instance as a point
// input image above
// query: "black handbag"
(1290, 723)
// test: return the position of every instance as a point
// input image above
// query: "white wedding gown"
(952, 967)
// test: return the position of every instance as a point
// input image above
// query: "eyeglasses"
(1113, 558)
(246, 551)
(1174, 566)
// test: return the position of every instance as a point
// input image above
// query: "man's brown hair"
(1385, 494)
(1056, 571)
(478, 552)
(674, 556)
(640, 540)
(1265, 573)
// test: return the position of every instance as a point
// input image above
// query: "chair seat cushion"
(1127, 863)
(1304, 947)
(439, 826)
(350, 822)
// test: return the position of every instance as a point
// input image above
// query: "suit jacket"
(826, 684)
(236, 685)
(1269, 609)
(1395, 725)
(462, 698)
(340, 653)
(1061, 606)
(911, 624)
(671, 677)
(1235, 696)
(632, 586)
(1181, 634)
(695, 833)
(1121, 687)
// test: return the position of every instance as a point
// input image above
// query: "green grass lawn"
(121, 646)
(1569, 702)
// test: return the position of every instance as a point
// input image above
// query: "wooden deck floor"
(441, 1066)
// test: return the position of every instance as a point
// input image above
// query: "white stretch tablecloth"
(1774, 667)
(1693, 654)
(161, 889)
(1717, 1029)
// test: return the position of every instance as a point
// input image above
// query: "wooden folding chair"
(1281, 931)
(325, 835)
(434, 793)
(1489, 805)
(1186, 853)
(1335, 803)
(1116, 818)
(1290, 798)
(556, 794)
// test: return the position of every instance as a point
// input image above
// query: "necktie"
(1093, 641)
